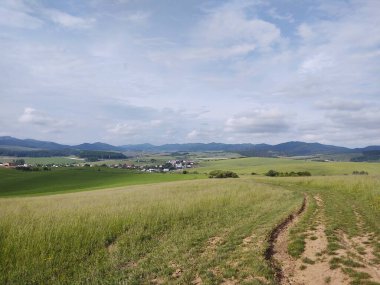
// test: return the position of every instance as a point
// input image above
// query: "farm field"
(261, 165)
(176, 232)
(61, 180)
(44, 160)
(199, 231)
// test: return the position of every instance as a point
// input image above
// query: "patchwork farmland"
(188, 229)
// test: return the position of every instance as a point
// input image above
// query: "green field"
(44, 160)
(142, 233)
(142, 159)
(261, 165)
(199, 231)
(61, 180)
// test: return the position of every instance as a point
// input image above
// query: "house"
(178, 165)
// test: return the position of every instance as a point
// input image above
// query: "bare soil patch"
(359, 250)
(313, 266)
(197, 281)
(212, 245)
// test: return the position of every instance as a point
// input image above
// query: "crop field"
(61, 180)
(44, 160)
(261, 165)
(247, 230)
(161, 158)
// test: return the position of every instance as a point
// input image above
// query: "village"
(170, 165)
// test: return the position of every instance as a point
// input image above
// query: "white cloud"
(228, 59)
(133, 128)
(361, 119)
(305, 31)
(275, 15)
(194, 134)
(224, 33)
(342, 105)
(18, 15)
(27, 15)
(316, 63)
(229, 27)
(258, 122)
(46, 123)
(138, 17)
(212, 53)
(69, 21)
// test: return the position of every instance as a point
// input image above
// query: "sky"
(166, 71)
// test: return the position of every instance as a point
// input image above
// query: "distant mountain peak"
(291, 148)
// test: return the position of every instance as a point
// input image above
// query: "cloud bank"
(230, 71)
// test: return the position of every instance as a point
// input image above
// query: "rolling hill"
(293, 148)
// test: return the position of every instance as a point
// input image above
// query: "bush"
(274, 173)
(222, 174)
(304, 173)
(360, 172)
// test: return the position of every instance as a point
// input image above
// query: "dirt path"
(276, 242)
(315, 266)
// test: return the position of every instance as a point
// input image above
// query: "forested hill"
(28, 147)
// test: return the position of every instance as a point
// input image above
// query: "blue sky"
(125, 71)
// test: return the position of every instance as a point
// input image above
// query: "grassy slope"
(344, 198)
(16, 183)
(156, 229)
(142, 233)
(262, 165)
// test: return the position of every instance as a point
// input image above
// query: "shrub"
(222, 174)
(360, 172)
(272, 173)
(303, 173)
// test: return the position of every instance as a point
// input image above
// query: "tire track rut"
(273, 237)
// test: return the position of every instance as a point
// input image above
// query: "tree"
(19, 161)
(272, 173)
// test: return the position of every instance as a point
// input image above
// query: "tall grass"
(142, 233)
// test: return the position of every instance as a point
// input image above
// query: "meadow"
(195, 231)
(174, 232)
(63, 180)
(261, 165)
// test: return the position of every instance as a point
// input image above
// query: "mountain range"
(293, 148)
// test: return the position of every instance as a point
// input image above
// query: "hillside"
(18, 147)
